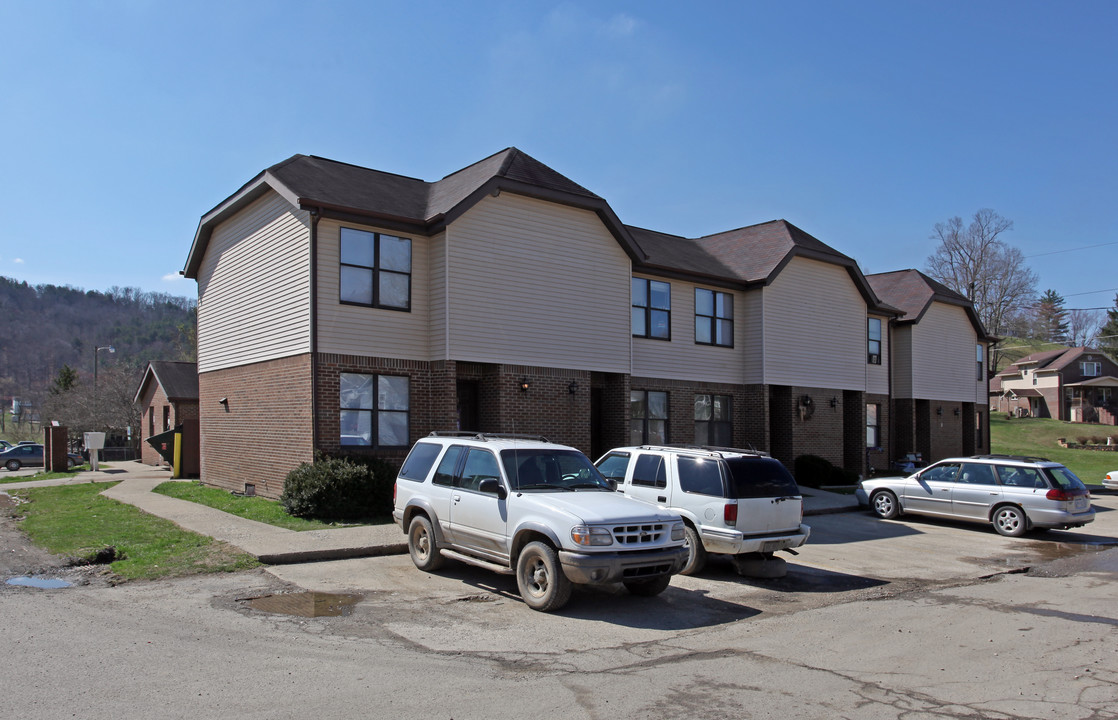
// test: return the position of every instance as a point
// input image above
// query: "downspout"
(315, 216)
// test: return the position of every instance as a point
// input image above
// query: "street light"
(111, 349)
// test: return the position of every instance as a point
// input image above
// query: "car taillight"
(730, 513)
(393, 494)
(1063, 495)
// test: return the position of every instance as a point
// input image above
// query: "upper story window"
(978, 356)
(1091, 369)
(873, 345)
(652, 309)
(714, 318)
(375, 269)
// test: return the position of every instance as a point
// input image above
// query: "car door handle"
(456, 498)
(662, 498)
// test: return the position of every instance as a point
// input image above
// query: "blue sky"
(863, 123)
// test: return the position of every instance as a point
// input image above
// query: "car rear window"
(760, 477)
(419, 461)
(1065, 479)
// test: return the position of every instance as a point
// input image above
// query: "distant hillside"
(46, 327)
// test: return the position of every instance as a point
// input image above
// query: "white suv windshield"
(551, 470)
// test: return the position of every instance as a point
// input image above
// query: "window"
(873, 347)
(649, 471)
(166, 418)
(444, 474)
(1091, 369)
(977, 474)
(151, 421)
(981, 371)
(702, 476)
(375, 270)
(714, 318)
(652, 309)
(648, 417)
(873, 426)
(419, 461)
(364, 417)
(713, 420)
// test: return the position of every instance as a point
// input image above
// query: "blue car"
(31, 455)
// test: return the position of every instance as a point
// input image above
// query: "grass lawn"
(1037, 436)
(252, 508)
(7, 478)
(76, 521)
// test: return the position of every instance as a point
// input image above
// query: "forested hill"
(46, 327)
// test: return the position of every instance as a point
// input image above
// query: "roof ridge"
(362, 167)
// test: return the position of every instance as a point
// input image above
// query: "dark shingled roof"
(179, 380)
(913, 292)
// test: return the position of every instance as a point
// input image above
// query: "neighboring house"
(1073, 384)
(168, 395)
(343, 309)
(939, 380)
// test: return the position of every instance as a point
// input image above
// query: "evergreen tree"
(67, 379)
(1051, 318)
(1108, 335)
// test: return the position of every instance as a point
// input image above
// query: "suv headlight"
(677, 531)
(587, 535)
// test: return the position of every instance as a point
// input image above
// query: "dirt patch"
(21, 557)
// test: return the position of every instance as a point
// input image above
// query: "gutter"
(315, 216)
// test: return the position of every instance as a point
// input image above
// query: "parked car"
(1014, 493)
(535, 509)
(1110, 482)
(738, 502)
(31, 455)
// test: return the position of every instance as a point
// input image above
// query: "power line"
(1086, 247)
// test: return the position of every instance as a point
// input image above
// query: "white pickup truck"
(522, 505)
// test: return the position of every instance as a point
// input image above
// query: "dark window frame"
(375, 269)
(648, 309)
(712, 321)
(725, 427)
(646, 417)
(873, 357)
(375, 412)
(875, 427)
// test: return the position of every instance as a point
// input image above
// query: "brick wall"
(263, 431)
(153, 404)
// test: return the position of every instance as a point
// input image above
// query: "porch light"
(524, 385)
(939, 410)
(956, 412)
(572, 388)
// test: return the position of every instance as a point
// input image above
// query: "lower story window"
(873, 429)
(648, 417)
(713, 420)
(374, 410)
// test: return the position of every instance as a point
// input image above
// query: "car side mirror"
(493, 486)
(612, 483)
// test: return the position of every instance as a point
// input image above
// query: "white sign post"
(94, 441)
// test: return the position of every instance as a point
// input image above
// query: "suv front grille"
(646, 534)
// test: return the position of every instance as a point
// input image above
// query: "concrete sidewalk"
(276, 546)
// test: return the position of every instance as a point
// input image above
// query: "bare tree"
(974, 261)
(1083, 327)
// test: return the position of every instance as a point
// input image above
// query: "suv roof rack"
(1018, 458)
(712, 449)
(485, 436)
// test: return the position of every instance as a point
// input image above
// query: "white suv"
(523, 505)
(737, 502)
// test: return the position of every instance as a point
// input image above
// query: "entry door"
(468, 416)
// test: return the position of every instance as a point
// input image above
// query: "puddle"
(1047, 551)
(36, 582)
(306, 604)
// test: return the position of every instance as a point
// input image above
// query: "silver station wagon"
(1015, 493)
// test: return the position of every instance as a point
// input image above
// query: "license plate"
(1081, 504)
(772, 545)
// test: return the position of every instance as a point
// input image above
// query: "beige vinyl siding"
(901, 360)
(359, 330)
(815, 327)
(254, 287)
(682, 358)
(752, 334)
(537, 283)
(943, 355)
(436, 297)
(877, 376)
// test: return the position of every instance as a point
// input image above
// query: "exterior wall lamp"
(572, 388)
(956, 412)
(834, 402)
(939, 411)
(524, 385)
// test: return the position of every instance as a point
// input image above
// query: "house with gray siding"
(348, 310)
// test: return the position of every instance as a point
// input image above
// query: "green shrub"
(340, 488)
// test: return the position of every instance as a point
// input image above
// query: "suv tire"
(696, 553)
(540, 578)
(422, 547)
(650, 587)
